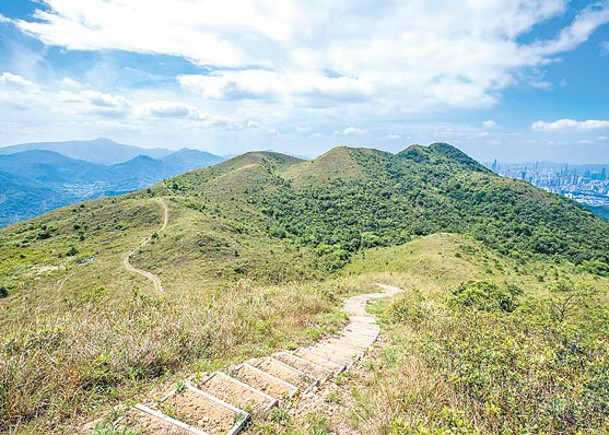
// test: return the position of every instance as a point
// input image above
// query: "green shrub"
(486, 295)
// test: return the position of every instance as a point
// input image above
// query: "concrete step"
(341, 350)
(203, 411)
(288, 373)
(352, 343)
(263, 381)
(237, 393)
(346, 360)
(147, 421)
(310, 368)
(335, 366)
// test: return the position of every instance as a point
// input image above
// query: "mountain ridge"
(65, 180)
(101, 150)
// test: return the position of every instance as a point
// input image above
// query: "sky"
(513, 80)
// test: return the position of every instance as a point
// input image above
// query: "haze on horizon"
(509, 80)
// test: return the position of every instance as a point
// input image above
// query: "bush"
(487, 295)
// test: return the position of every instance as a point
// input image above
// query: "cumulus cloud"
(392, 56)
(570, 124)
(104, 100)
(489, 124)
(14, 80)
(350, 131)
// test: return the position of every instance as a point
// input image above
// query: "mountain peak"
(441, 152)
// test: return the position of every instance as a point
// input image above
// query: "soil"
(264, 383)
(147, 424)
(319, 360)
(199, 411)
(309, 369)
(272, 367)
(237, 395)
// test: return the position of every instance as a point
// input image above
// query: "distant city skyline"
(511, 80)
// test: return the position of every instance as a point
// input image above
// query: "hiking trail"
(156, 281)
(224, 402)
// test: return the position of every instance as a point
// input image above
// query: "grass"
(451, 367)
(80, 360)
(79, 333)
(243, 263)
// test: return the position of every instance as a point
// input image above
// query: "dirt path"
(156, 281)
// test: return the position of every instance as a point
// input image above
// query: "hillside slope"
(349, 199)
(240, 260)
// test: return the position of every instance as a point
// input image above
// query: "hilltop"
(251, 261)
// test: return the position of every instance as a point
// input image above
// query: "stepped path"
(223, 403)
(156, 281)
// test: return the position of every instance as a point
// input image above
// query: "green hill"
(245, 262)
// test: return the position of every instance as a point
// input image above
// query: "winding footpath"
(224, 402)
(156, 281)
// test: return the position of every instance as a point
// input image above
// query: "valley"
(36, 180)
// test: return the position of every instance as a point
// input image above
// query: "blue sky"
(516, 80)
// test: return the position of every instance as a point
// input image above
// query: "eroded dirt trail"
(156, 281)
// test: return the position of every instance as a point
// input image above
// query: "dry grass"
(67, 367)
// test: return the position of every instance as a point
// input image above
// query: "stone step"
(203, 411)
(237, 393)
(335, 366)
(263, 381)
(310, 368)
(288, 373)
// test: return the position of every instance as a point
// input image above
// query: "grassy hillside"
(455, 357)
(245, 262)
(455, 361)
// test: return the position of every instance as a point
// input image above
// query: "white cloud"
(15, 80)
(296, 68)
(570, 124)
(168, 109)
(489, 124)
(350, 131)
(104, 100)
(602, 138)
(579, 31)
(384, 57)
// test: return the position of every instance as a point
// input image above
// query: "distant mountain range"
(103, 151)
(34, 181)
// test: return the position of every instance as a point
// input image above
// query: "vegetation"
(453, 358)
(258, 254)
